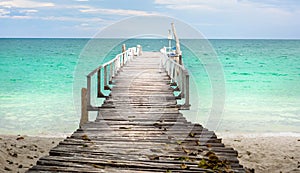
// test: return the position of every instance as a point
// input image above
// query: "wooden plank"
(138, 129)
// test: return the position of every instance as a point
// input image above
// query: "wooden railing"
(106, 72)
(179, 77)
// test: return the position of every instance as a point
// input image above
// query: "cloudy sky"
(214, 18)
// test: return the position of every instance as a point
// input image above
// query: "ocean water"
(256, 87)
(262, 84)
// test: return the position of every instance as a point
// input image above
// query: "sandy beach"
(18, 153)
(264, 153)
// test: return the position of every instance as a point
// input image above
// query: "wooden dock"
(139, 127)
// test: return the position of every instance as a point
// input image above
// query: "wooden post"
(172, 75)
(180, 59)
(99, 82)
(178, 51)
(117, 64)
(170, 41)
(106, 87)
(139, 50)
(135, 51)
(186, 91)
(123, 54)
(89, 91)
(111, 73)
(114, 68)
(99, 93)
(132, 54)
(84, 112)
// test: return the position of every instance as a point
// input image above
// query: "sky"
(263, 19)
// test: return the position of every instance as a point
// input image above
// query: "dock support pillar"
(84, 112)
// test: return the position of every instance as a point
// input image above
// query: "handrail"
(102, 71)
(179, 77)
(178, 74)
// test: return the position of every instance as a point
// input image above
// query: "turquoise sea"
(40, 81)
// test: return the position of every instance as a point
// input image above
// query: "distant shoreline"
(86, 38)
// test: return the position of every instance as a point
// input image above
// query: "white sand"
(264, 153)
(19, 155)
(267, 152)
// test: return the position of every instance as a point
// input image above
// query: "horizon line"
(213, 38)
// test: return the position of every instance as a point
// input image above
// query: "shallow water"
(261, 83)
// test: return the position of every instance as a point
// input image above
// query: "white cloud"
(229, 5)
(236, 11)
(29, 11)
(198, 5)
(4, 12)
(211, 3)
(275, 3)
(25, 4)
(15, 17)
(74, 19)
(120, 12)
(53, 18)
(192, 7)
(253, 18)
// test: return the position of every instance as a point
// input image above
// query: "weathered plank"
(139, 129)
